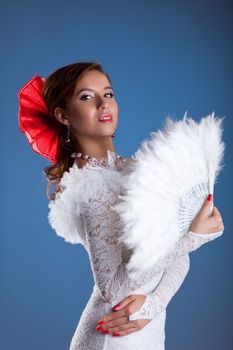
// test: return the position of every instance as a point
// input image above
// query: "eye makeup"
(107, 93)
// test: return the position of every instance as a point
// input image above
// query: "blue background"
(163, 58)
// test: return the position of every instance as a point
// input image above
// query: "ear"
(61, 116)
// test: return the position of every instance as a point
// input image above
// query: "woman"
(79, 118)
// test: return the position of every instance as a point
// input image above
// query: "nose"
(102, 103)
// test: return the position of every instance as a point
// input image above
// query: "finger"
(124, 302)
(116, 323)
(216, 213)
(216, 227)
(118, 312)
(126, 332)
(133, 326)
(113, 315)
(124, 329)
(216, 218)
(205, 209)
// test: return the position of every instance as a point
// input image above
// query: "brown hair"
(58, 87)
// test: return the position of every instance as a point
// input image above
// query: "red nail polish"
(115, 307)
(100, 322)
(116, 334)
(105, 331)
(210, 196)
(99, 328)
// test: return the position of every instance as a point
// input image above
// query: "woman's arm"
(188, 243)
(103, 227)
(171, 281)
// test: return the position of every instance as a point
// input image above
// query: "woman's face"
(85, 107)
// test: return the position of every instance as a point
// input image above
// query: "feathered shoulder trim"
(64, 213)
(78, 186)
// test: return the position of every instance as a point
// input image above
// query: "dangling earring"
(113, 135)
(67, 140)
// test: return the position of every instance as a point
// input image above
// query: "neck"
(95, 147)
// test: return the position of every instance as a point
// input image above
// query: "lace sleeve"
(103, 227)
(176, 266)
(187, 244)
(171, 281)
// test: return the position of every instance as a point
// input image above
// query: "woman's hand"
(117, 321)
(203, 223)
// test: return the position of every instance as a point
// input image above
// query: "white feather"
(78, 186)
(173, 173)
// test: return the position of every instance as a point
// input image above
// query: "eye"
(86, 95)
(109, 93)
(81, 98)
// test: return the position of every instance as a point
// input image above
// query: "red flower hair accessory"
(34, 120)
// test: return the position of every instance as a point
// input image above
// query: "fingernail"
(99, 328)
(209, 198)
(116, 307)
(100, 322)
(105, 331)
(116, 334)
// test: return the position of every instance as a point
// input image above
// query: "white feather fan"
(173, 173)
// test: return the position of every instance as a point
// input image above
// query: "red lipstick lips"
(105, 118)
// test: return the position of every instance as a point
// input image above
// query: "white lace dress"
(83, 213)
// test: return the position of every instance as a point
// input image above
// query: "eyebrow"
(89, 89)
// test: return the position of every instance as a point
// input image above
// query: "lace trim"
(109, 162)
